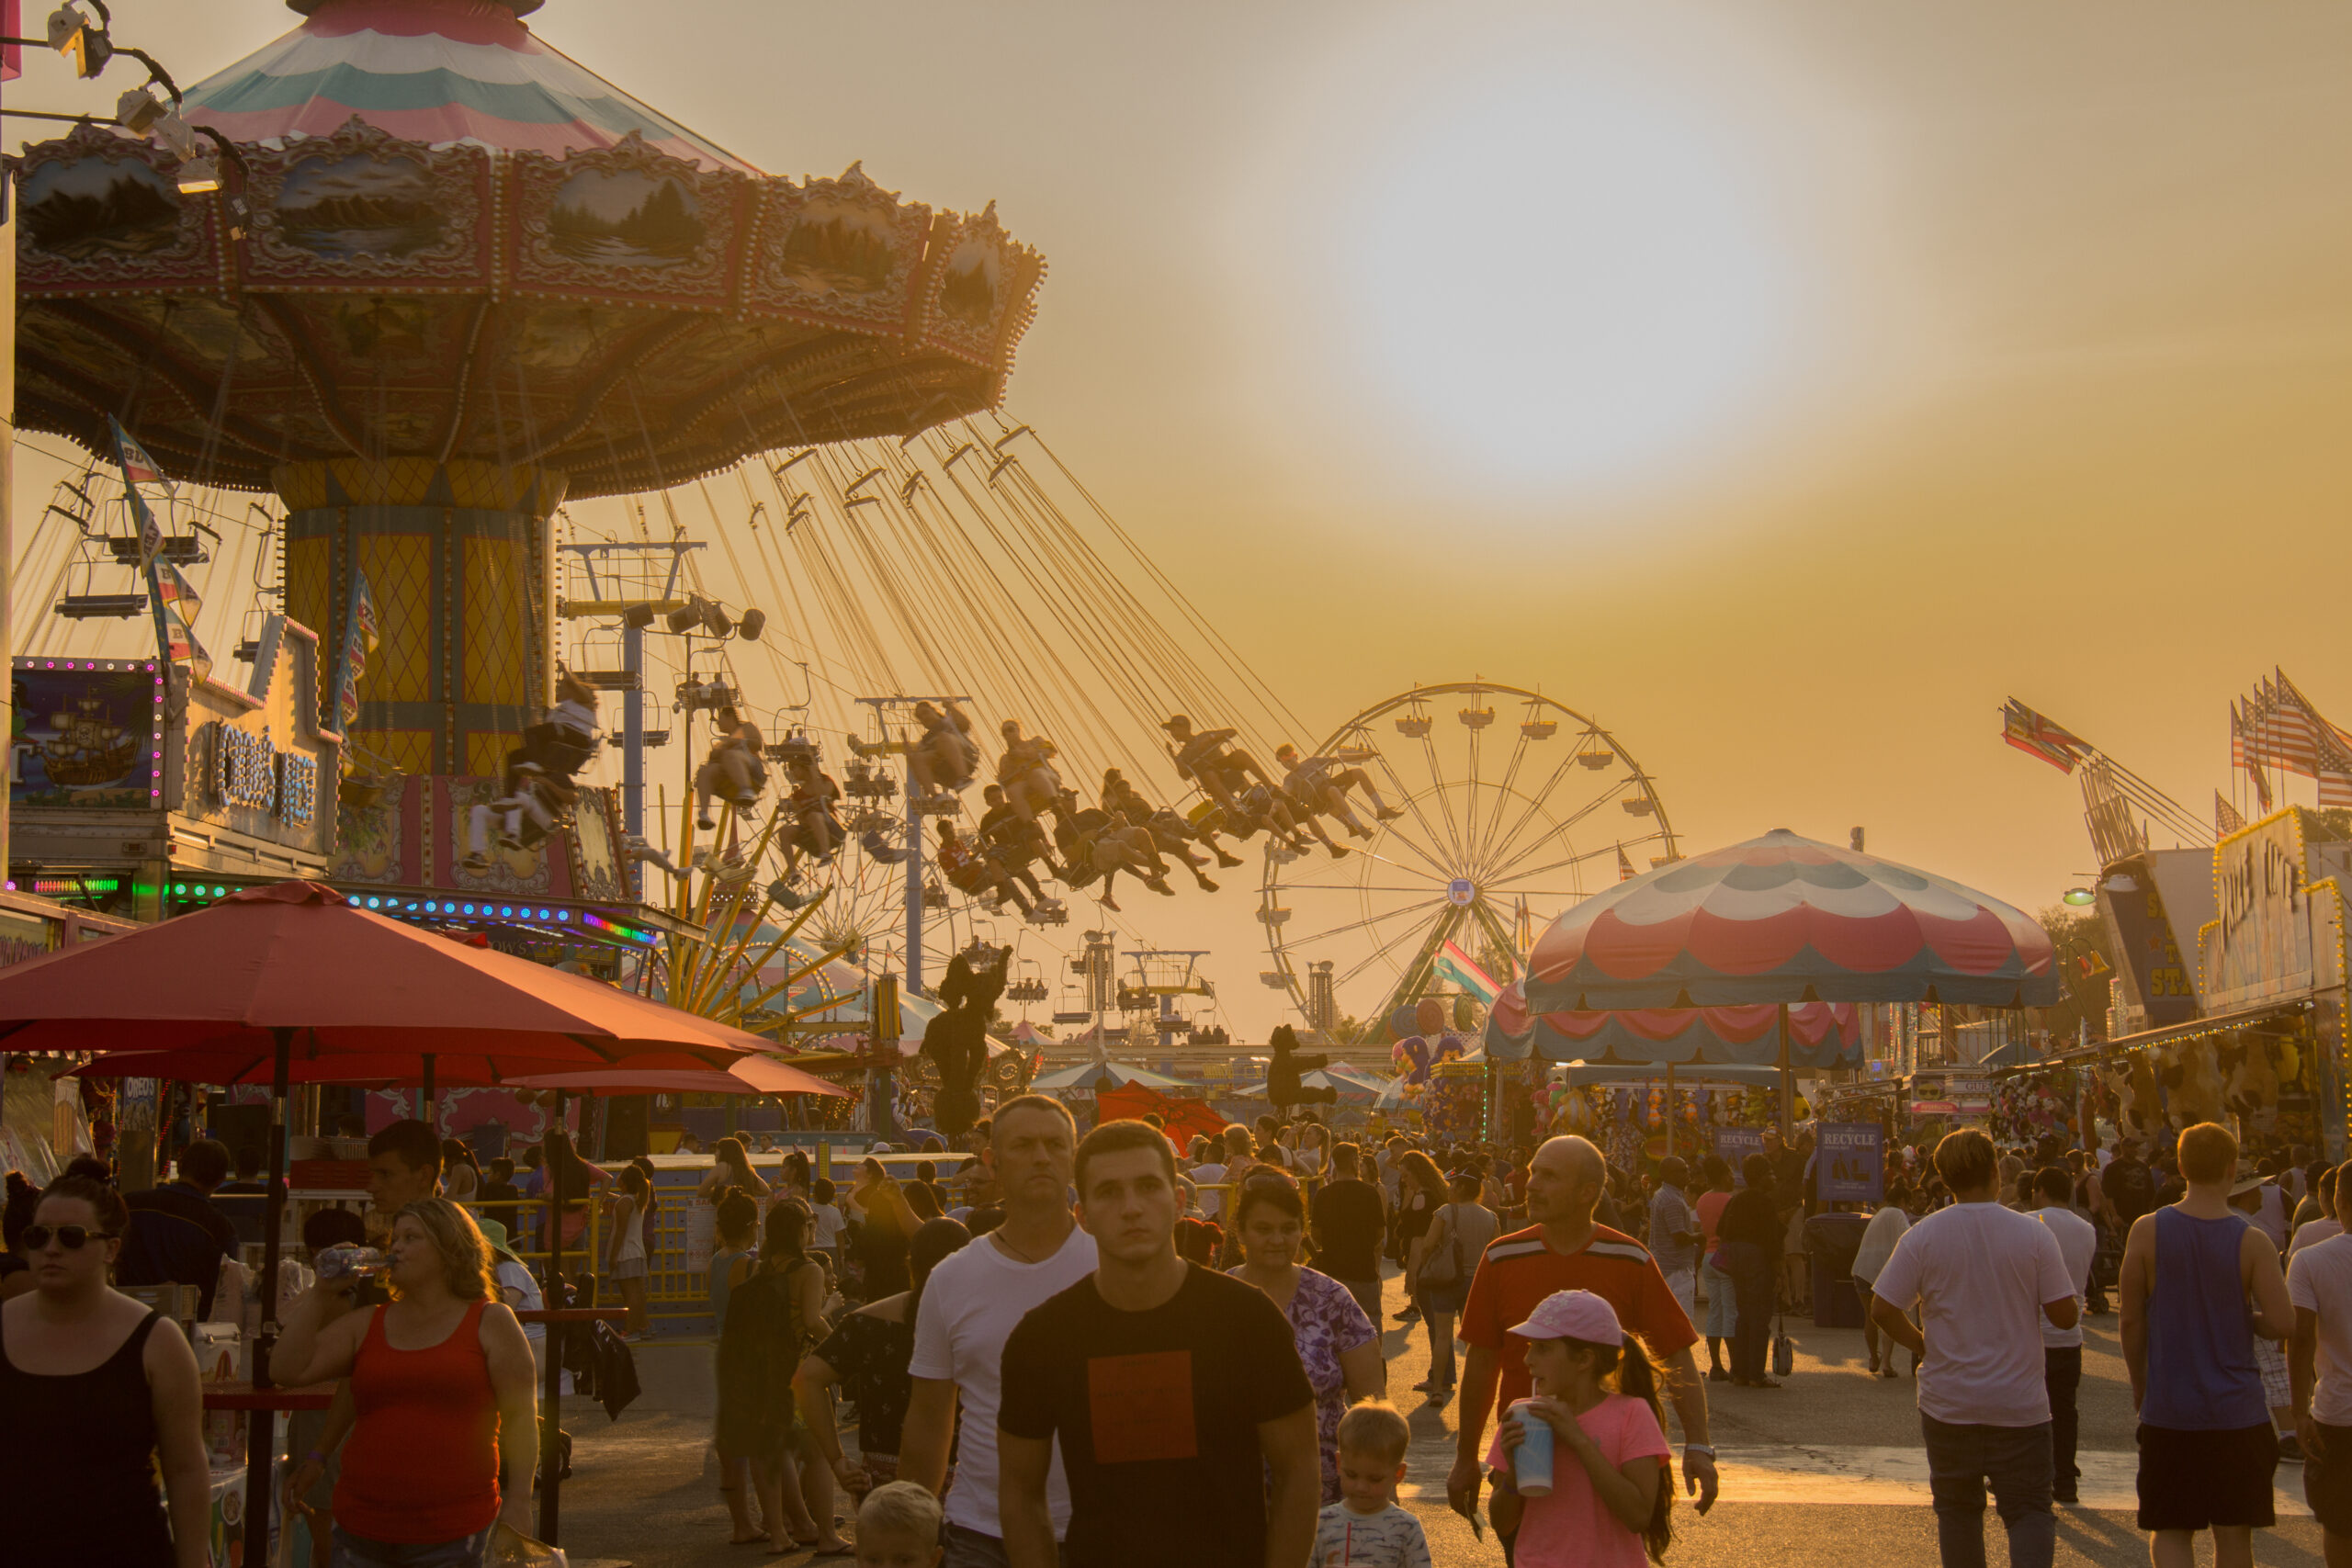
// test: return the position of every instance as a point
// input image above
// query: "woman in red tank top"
(436, 1378)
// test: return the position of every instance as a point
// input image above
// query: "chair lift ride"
(1319, 786)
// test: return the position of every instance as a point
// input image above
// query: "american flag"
(2281, 728)
(359, 640)
(1624, 866)
(2038, 737)
(2227, 818)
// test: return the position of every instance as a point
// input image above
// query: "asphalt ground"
(1828, 1468)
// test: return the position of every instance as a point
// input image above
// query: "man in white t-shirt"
(1985, 1279)
(2319, 1362)
(2062, 1349)
(972, 1303)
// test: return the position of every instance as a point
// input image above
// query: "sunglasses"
(73, 1239)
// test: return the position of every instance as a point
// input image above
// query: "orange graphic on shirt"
(1142, 1407)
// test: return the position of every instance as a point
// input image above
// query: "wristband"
(1707, 1448)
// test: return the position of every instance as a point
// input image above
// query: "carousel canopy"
(436, 72)
(1821, 1035)
(449, 253)
(1787, 919)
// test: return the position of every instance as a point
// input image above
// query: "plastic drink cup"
(1531, 1465)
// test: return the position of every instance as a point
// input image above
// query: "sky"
(1784, 384)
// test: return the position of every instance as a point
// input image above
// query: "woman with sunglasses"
(436, 1377)
(95, 1400)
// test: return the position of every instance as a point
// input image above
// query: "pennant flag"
(175, 606)
(1464, 971)
(2031, 733)
(2091, 964)
(2227, 818)
(138, 469)
(1624, 866)
(12, 56)
(359, 639)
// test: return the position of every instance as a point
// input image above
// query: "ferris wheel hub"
(1461, 892)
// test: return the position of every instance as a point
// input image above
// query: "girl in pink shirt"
(1596, 1388)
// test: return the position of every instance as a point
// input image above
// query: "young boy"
(898, 1526)
(1366, 1529)
(826, 1234)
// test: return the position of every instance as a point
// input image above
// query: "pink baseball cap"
(1573, 1315)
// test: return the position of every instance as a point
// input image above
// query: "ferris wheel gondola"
(1492, 830)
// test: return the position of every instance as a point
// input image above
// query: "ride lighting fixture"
(686, 618)
(640, 615)
(2078, 897)
(199, 175)
(716, 621)
(753, 623)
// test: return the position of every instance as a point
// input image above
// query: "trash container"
(1830, 1242)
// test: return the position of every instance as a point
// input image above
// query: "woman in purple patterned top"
(1336, 1343)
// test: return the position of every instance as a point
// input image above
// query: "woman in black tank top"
(93, 1394)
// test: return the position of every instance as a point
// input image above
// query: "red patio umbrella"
(269, 967)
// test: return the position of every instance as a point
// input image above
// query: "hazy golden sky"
(1784, 384)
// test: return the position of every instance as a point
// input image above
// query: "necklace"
(997, 1235)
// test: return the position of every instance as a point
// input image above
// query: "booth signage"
(1735, 1145)
(89, 735)
(2147, 946)
(1849, 1162)
(2259, 946)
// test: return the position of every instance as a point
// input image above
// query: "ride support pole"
(552, 1393)
(261, 1437)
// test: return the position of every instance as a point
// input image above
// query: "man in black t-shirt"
(1350, 1220)
(1186, 1423)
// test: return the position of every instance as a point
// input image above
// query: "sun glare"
(1568, 276)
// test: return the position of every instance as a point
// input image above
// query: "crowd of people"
(1109, 1348)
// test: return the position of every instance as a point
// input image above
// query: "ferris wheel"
(1505, 808)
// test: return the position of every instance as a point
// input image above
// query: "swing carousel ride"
(600, 456)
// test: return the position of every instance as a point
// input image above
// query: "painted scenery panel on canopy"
(512, 868)
(364, 207)
(624, 222)
(840, 251)
(82, 738)
(980, 296)
(103, 215)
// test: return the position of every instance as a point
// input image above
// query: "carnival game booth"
(1696, 1066)
(2248, 1004)
(131, 778)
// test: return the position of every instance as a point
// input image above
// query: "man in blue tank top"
(2199, 1283)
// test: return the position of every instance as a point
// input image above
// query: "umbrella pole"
(425, 1098)
(551, 1395)
(1788, 1082)
(1669, 1111)
(261, 1435)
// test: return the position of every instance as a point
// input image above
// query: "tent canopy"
(1087, 1076)
(1787, 919)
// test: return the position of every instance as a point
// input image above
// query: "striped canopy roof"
(1821, 1035)
(1784, 919)
(436, 72)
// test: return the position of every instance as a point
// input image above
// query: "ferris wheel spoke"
(1552, 831)
(1413, 808)
(1504, 841)
(1366, 924)
(1502, 793)
(1445, 803)
(1558, 864)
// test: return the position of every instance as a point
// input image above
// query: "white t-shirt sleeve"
(1898, 1282)
(934, 1353)
(2050, 1267)
(2302, 1290)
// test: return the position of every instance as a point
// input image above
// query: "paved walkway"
(1827, 1470)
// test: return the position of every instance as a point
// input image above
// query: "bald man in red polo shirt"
(1564, 1250)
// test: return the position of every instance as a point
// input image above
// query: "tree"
(2085, 958)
